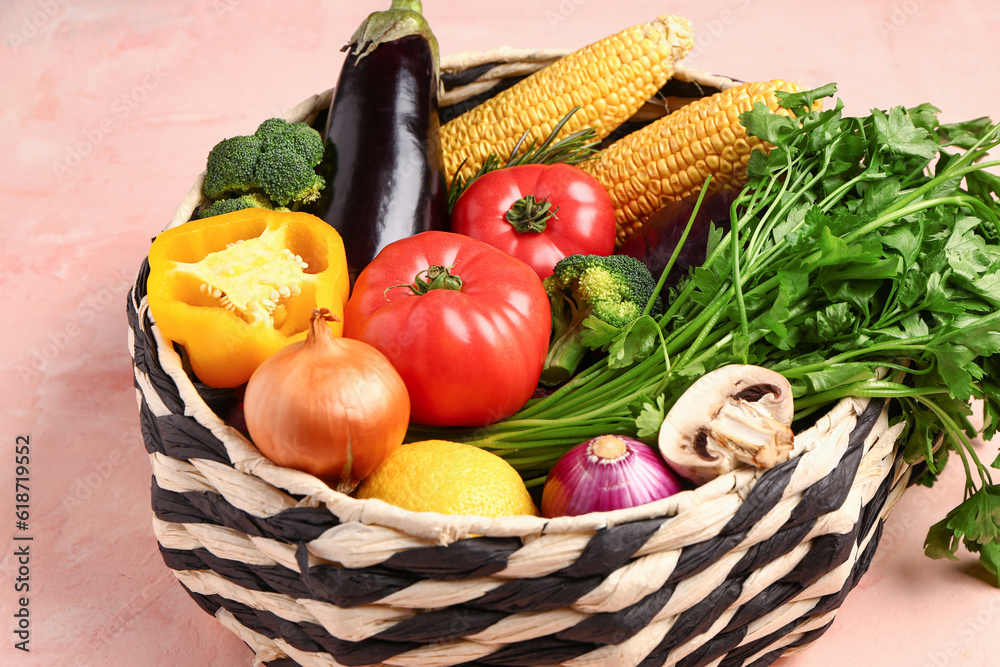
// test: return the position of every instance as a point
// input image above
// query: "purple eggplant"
(655, 242)
(383, 147)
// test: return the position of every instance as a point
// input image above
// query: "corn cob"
(609, 79)
(670, 158)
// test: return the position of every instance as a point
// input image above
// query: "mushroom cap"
(734, 416)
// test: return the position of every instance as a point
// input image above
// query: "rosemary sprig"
(574, 148)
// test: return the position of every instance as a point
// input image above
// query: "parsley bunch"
(858, 244)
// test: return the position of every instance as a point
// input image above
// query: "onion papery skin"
(332, 407)
(584, 481)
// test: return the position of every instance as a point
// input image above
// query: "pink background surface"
(107, 111)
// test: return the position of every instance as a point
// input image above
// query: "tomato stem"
(530, 215)
(437, 277)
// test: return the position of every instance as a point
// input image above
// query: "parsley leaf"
(898, 133)
(976, 522)
(768, 126)
(650, 417)
(964, 134)
(802, 102)
(635, 342)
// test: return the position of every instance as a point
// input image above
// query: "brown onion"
(333, 407)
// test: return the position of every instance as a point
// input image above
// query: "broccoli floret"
(232, 167)
(223, 206)
(301, 138)
(277, 162)
(613, 289)
(286, 177)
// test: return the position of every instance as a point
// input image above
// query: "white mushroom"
(732, 417)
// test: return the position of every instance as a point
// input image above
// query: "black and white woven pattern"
(736, 573)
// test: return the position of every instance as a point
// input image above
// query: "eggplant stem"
(412, 5)
(403, 19)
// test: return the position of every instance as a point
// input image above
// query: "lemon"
(450, 478)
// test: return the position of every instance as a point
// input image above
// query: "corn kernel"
(671, 158)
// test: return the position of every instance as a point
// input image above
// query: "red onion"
(607, 473)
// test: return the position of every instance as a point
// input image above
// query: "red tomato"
(496, 209)
(468, 356)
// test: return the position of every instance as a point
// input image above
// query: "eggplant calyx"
(530, 215)
(431, 278)
(402, 19)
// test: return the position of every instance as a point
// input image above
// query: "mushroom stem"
(753, 437)
(734, 416)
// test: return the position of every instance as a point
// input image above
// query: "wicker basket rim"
(462, 60)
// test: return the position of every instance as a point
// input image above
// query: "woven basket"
(737, 572)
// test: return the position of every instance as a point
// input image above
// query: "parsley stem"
(960, 167)
(912, 407)
(765, 202)
(677, 249)
(866, 388)
(741, 306)
(683, 335)
(916, 174)
(714, 341)
(960, 442)
(702, 334)
(895, 346)
(886, 218)
(762, 259)
(869, 174)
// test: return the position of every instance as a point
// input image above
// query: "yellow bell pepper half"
(234, 289)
